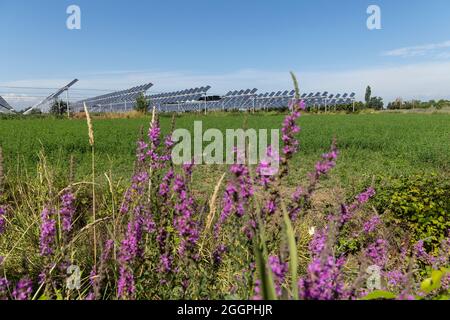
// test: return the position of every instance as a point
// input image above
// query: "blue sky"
(228, 44)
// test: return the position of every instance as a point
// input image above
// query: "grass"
(37, 155)
(394, 144)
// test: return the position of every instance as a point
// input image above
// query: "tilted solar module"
(4, 106)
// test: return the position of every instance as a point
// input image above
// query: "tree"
(142, 104)
(376, 103)
(58, 108)
(368, 95)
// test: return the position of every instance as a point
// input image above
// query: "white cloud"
(437, 50)
(418, 81)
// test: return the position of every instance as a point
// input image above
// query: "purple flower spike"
(67, 210)
(23, 290)
(48, 232)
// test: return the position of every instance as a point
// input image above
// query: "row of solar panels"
(194, 99)
(129, 95)
(248, 99)
(183, 96)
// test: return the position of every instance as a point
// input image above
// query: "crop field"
(394, 144)
(128, 225)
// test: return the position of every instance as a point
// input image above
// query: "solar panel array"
(249, 100)
(45, 104)
(118, 101)
(197, 99)
(5, 107)
(179, 100)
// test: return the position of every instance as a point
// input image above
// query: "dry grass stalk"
(92, 143)
(90, 126)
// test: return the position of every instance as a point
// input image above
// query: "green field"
(394, 144)
(382, 181)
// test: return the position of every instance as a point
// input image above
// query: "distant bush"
(58, 108)
(399, 104)
(420, 204)
(142, 104)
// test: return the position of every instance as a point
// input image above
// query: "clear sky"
(228, 44)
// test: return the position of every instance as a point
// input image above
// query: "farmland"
(139, 229)
(397, 144)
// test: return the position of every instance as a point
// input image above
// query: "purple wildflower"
(395, 278)
(137, 188)
(161, 238)
(48, 232)
(126, 286)
(324, 280)
(141, 150)
(2, 219)
(165, 264)
(378, 252)
(184, 221)
(328, 162)
(23, 289)
(130, 247)
(279, 270)
(4, 285)
(266, 169)
(347, 211)
(258, 290)
(237, 195)
(372, 224)
(218, 253)
(270, 207)
(289, 130)
(422, 255)
(365, 196)
(250, 229)
(405, 296)
(154, 138)
(318, 243)
(164, 187)
(67, 210)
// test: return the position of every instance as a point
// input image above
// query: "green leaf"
(426, 285)
(267, 284)
(59, 295)
(292, 245)
(380, 294)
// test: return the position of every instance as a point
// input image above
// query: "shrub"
(58, 108)
(421, 204)
(142, 104)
